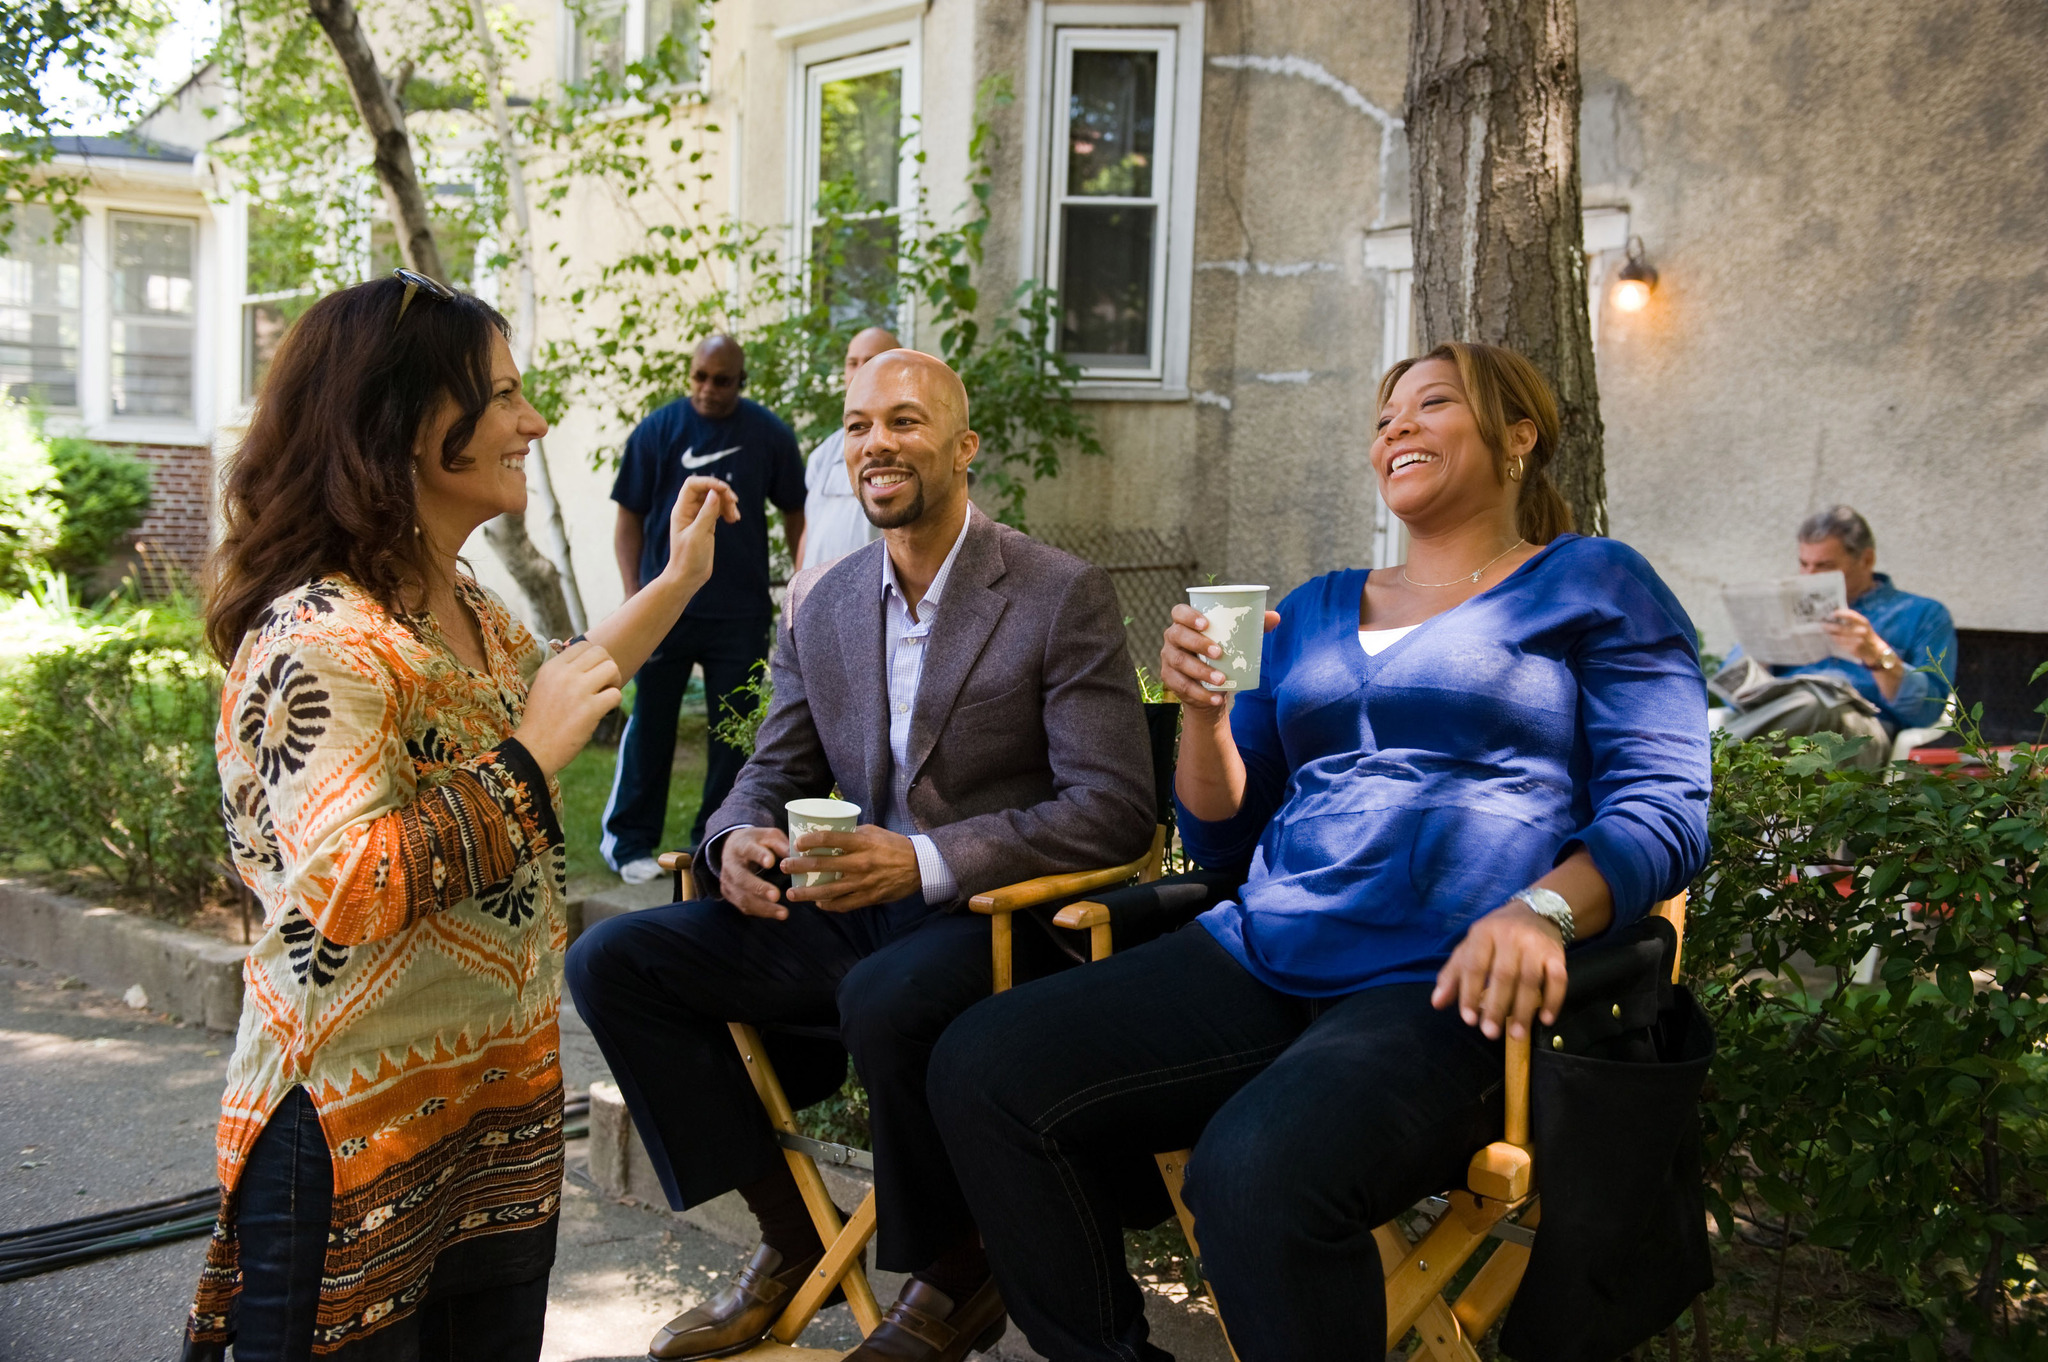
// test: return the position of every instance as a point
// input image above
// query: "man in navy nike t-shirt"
(725, 627)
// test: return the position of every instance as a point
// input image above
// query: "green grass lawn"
(587, 783)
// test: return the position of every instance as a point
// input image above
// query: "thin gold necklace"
(1476, 572)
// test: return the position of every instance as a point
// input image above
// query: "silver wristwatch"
(1548, 903)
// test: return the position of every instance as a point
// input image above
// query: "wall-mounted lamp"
(1635, 280)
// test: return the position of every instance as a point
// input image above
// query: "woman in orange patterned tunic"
(390, 1143)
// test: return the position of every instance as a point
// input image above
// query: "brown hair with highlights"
(324, 481)
(1505, 389)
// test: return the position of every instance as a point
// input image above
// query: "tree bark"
(538, 579)
(391, 148)
(1493, 145)
(526, 325)
(384, 120)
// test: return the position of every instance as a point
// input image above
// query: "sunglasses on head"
(415, 283)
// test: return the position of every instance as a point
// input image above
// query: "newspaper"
(1779, 623)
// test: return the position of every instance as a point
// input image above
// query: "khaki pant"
(1800, 706)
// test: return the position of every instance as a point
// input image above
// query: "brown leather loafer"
(924, 1325)
(738, 1317)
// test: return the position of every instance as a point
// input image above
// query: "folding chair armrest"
(1047, 888)
(677, 863)
(1081, 916)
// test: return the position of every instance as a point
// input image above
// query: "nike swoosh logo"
(693, 460)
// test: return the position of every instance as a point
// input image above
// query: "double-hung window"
(1118, 111)
(858, 179)
(153, 315)
(606, 36)
(39, 311)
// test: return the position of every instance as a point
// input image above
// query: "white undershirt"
(1377, 641)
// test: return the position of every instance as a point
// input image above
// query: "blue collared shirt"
(1920, 631)
(906, 636)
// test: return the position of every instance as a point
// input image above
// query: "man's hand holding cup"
(867, 866)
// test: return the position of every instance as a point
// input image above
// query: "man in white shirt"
(834, 523)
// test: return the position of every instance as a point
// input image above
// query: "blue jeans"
(1311, 1120)
(727, 650)
(283, 1204)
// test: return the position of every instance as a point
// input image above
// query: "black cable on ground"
(45, 1248)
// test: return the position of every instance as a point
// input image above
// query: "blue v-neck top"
(1392, 800)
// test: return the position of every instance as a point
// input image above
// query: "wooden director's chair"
(846, 1239)
(1498, 1201)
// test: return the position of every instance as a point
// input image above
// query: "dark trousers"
(1312, 1121)
(727, 650)
(658, 987)
(283, 1202)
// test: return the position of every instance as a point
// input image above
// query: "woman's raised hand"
(1184, 658)
(693, 526)
(571, 692)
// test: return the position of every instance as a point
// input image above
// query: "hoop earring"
(1516, 472)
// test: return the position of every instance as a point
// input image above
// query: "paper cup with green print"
(1237, 624)
(818, 815)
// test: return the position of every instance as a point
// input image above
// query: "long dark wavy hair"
(324, 480)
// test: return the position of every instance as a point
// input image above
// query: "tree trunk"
(527, 325)
(378, 107)
(538, 580)
(377, 104)
(1493, 147)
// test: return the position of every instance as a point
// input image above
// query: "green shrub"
(101, 495)
(107, 762)
(29, 515)
(1903, 1122)
(64, 503)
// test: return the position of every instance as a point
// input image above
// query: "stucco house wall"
(1841, 201)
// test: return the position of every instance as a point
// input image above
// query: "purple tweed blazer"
(1027, 739)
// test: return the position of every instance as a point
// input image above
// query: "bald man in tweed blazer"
(969, 688)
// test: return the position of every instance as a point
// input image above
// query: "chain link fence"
(1152, 570)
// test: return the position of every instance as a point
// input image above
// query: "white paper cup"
(1237, 622)
(818, 815)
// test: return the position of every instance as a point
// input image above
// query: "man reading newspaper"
(1838, 649)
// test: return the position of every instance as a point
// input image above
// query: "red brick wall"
(179, 525)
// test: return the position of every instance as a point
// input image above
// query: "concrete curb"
(192, 977)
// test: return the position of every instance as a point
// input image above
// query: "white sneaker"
(641, 871)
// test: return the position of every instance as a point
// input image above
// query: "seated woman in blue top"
(1443, 762)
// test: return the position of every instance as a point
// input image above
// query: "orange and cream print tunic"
(408, 857)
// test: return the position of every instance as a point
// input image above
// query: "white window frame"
(135, 196)
(1055, 31)
(634, 25)
(75, 237)
(894, 45)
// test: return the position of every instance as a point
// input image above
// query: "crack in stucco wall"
(1291, 270)
(1315, 73)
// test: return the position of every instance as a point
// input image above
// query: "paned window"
(153, 316)
(276, 289)
(858, 177)
(609, 35)
(39, 311)
(1114, 95)
(1109, 188)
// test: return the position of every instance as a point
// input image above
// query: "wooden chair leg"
(843, 1254)
(1173, 1170)
(1486, 1297)
(860, 1297)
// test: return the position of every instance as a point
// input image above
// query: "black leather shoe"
(738, 1317)
(924, 1325)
